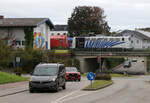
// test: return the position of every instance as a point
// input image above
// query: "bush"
(101, 76)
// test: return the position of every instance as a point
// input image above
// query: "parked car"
(72, 74)
(127, 64)
(134, 60)
(49, 76)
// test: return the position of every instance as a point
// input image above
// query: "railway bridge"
(92, 60)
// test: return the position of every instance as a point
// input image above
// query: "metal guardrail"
(92, 53)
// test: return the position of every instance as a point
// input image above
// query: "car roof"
(50, 64)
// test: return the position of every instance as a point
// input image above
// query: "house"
(139, 39)
(15, 27)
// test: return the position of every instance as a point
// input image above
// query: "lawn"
(9, 78)
(99, 84)
(120, 75)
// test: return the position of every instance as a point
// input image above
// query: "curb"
(85, 89)
(14, 93)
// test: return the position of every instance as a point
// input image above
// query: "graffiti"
(39, 40)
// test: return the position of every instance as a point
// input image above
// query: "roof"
(61, 28)
(24, 22)
(140, 33)
(49, 64)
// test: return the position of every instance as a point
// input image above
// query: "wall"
(17, 33)
(41, 36)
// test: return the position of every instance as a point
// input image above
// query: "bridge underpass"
(88, 61)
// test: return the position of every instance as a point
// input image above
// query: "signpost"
(91, 76)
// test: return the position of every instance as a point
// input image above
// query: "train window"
(129, 39)
(61, 40)
(111, 39)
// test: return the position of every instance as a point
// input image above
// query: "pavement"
(13, 88)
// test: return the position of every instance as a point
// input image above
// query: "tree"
(86, 20)
(5, 54)
(28, 38)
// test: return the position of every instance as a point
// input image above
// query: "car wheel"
(64, 86)
(31, 90)
(79, 80)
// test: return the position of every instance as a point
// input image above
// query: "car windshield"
(71, 69)
(45, 71)
(126, 62)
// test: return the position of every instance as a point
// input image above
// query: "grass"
(10, 78)
(99, 84)
(112, 75)
(120, 75)
(84, 74)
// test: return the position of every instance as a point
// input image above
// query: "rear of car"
(127, 64)
(72, 74)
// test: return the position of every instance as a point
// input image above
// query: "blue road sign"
(91, 76)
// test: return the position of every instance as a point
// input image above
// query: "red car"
(72, 74)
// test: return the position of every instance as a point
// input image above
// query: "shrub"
(101, 76)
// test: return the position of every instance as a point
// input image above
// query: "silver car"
(49, 76)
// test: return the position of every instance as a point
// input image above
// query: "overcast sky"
(121, 14)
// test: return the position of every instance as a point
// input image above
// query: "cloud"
(121, 14)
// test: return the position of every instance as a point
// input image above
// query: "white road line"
(57, 100)
(76, 96)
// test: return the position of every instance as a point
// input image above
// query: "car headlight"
(54, 78)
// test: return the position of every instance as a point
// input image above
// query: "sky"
(121, 14)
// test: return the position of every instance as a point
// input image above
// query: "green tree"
(28, 38)
(87, 20)
(5, 54)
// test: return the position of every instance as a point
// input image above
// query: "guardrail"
(92, 53)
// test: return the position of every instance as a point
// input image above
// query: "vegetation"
(100, 76)
(9, 78)
(5, 54)
(121, 75)
(87, 20)
(113, 62)
(148, 64)
(99, 84)
(28, 37)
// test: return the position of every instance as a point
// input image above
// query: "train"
(63, 41)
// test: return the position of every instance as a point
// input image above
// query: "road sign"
(91, 76)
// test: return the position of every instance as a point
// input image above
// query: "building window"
(23, 42)
(122, 39)
(137, 41)
(131, 41)
(18, 42)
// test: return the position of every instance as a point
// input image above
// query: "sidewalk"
(13, 88)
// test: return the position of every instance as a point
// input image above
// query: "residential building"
(15, 27)
(139, 39)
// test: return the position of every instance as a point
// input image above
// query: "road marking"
(57, 100)
(74, 97)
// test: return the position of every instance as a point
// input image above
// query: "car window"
(71, 69)
(45, 71)
(126, 62)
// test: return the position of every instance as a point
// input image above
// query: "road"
(124, 90)
(138, 67)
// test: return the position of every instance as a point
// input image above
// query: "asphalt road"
(45, 97)
(124, 90)
(138, 67)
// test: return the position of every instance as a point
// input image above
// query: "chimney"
(1, 17)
